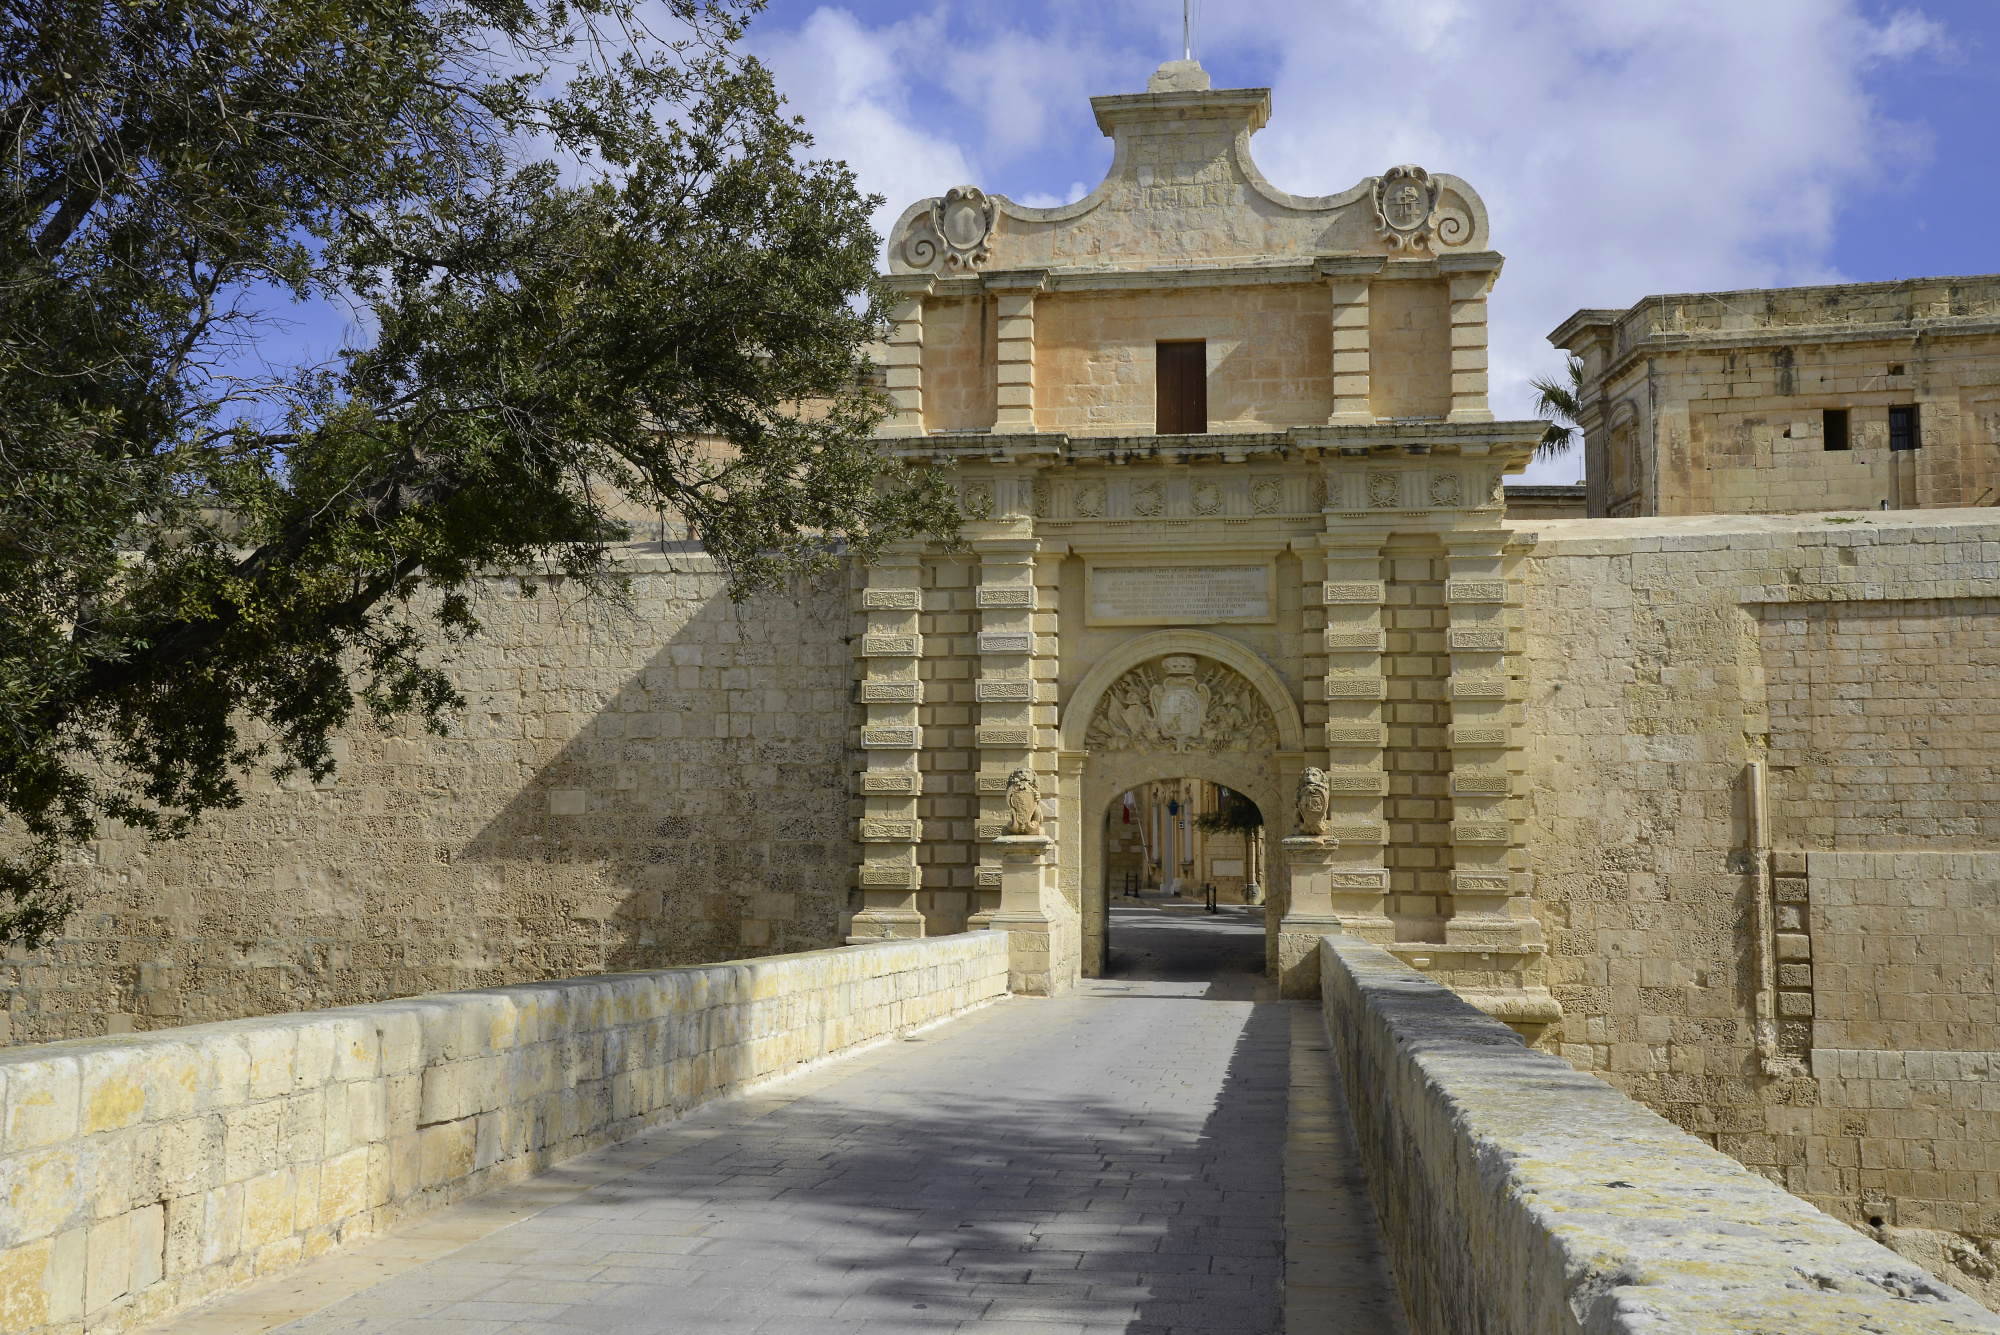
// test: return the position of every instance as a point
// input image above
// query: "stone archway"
(1174, 704)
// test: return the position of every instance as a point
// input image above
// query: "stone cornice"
(1384, 440)
(1248, 273)
(1251, 104)
(1905, 332)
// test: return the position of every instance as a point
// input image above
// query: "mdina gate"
(1233, 510)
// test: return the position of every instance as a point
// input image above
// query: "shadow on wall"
(700, 813)
(657, 784)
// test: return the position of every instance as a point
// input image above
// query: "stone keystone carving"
(1181, 707)
(1024, 803)
(961, 221)
(1312, 800)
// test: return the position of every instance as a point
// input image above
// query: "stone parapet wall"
(1517, 1194)
(141, 1175)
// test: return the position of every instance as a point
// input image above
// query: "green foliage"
(1558, 402)
(602, 274)
(1237, 815)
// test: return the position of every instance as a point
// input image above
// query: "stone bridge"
(883, 1138)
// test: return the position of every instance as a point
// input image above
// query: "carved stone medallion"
(961, 224)
(1184, 704)
(1405, 197)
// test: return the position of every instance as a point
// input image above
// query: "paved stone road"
(1111, 1161)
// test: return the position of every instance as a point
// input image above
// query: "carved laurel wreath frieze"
(1182, 703)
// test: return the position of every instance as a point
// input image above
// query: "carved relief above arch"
(1182, 702)
(1181, 691)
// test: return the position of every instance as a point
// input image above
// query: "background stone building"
(1854, 396)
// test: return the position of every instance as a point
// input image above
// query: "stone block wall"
(1518, 1194)
(1855, 663)
(1270, 356)
(960, 365)
(148, 1173)
(655, 784)
(1417, 757)
(1409, 349)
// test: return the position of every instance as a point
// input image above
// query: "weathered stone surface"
(1717, 403)
(1518, 1194)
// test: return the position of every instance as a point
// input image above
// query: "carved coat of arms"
(1179, 702)
(1174, 709)
(1404, 200)
(961, 225)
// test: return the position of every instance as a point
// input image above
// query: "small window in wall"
(1834, 429)
(1183, 387)
(1903, 428)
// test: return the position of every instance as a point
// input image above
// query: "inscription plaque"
(1180, 595)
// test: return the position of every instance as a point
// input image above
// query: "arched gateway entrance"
(1232, 508)
(1170, 705)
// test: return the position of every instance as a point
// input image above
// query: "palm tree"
(1558, 402)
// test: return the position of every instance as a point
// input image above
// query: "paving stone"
(1112, 1160)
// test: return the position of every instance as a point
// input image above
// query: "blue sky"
(1623, 148)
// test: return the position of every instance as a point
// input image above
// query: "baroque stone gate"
(1232, 509)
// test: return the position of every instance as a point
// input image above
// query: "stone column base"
(1298, 953)
(1037, 930)
(875, 924)
(1311, 912)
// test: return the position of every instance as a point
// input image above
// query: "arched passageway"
(1121, 736)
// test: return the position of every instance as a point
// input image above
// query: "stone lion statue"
(1312, 801)
(1024, 803)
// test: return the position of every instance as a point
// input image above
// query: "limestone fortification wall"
(660, 784)
(1518, 1194)
(149, 1172)
(1859, 664)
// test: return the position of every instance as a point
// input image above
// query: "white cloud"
(853, 87)
(1039, 200)
(1622, 149)
(1908, 33)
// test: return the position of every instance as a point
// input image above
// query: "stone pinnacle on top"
(1179, 76)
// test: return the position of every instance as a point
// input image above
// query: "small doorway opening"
(1181, 406)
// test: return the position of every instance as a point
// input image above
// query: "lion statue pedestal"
(1326, 899)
